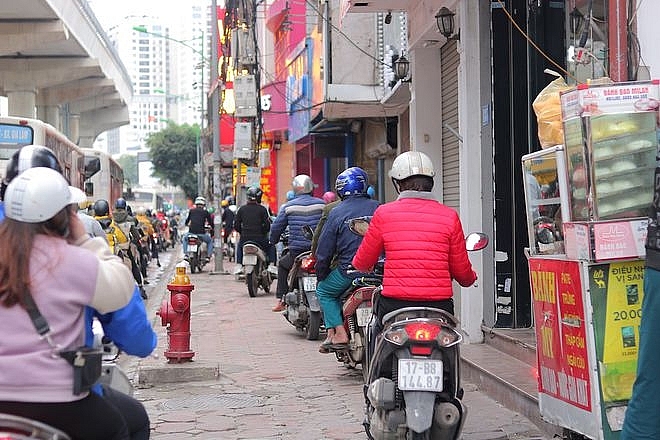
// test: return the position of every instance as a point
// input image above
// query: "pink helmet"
(329, 197)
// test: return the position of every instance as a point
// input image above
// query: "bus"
(147, 199)
(107, 177)
(83, 168)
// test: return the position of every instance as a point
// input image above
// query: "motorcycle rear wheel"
(252, 281)
(313, 326)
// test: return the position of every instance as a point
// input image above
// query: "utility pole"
(215, 122)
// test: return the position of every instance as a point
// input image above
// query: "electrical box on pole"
(243, 140)
(245, 96)
(242, 48)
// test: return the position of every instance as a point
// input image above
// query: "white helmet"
(411, 163)
(200, 201)
(141, 210)
(37, 194)
(302, 184)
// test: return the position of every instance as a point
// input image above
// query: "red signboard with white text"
(561, 331)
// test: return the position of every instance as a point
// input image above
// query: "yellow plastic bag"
(548, 113)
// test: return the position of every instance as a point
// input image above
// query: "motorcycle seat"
(302, 255)
(367, 281)
(420, 312)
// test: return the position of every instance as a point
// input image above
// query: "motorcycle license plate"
(309, 283)
(249, 259)
(420, 375)
(192, 247)
(363, 315)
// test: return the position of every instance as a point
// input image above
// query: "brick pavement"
(254, 377)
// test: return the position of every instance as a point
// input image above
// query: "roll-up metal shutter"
(450, 169)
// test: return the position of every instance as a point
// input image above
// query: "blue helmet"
(290, 195)
(351, 182)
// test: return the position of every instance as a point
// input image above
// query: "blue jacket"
(337, 239)
(296, 213)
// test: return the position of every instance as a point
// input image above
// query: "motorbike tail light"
(421, 350)
(308, 264)
(422, 331)
(448, 337)
(396, 336)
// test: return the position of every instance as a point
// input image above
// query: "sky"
(112, 12)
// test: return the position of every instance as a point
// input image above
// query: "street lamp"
(204, 62)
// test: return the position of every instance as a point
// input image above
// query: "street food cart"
(587, 203)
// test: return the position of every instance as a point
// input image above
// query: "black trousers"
(136, 417)
(284, 265)
(93, 417)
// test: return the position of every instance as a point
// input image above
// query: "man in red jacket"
(423, 241)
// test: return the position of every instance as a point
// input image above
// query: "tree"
(173, 152)
(128, 163)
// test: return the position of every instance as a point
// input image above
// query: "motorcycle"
(255, 268)
(303, 309)
(229, 244)
(166, 234)
(196, 254)
(111, 373)
(356, 312)
(413, 388)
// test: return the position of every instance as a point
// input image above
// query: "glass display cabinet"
(544, 180)
(611, 146)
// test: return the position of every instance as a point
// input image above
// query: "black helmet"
(29, 156)
(254, 194)
(101, 208)
(120, 203)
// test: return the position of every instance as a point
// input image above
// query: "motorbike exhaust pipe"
(446, 420)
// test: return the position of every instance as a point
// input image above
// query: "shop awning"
(350, 101)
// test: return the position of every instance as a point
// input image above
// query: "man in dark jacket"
(196, 221)
(252, 221)
(303, 210)
(337, 241)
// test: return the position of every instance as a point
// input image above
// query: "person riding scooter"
(425, 251)
(252, 222)
(128, 327)
(337, 241)
(197, 219)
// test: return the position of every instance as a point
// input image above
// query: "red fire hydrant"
(176, 313)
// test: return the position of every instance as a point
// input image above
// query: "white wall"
(648, 17)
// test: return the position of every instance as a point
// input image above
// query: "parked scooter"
(413, 388)
(255, 268)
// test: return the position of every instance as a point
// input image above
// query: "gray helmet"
(302, 184)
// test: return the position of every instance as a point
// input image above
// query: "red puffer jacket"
(424, 248)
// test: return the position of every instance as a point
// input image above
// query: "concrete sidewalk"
(255, 377)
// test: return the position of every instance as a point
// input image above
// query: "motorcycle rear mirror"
(308, 232)
(359, 226)
(476, 241)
